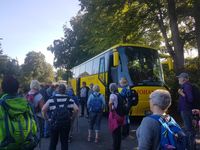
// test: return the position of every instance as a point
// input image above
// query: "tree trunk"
(177, 42)
(196, 11)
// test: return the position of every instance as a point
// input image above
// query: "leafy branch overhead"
(101, 24)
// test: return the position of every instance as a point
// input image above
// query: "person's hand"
(180, 91)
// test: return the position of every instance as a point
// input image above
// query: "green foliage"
(192, 68)
(8, 66)
(35, 67)
(61, 74)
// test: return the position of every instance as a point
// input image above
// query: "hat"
(183, 75)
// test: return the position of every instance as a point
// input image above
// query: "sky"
(33, 25)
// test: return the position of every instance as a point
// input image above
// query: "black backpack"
(131, 96)
(196, 96)
(122, 106)
(61, 116)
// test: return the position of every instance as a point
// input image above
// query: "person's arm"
(41, 103)
(88, 101)
(111, 99)
(188, 93)
(45, 109)
(75, 107)
(145, 135)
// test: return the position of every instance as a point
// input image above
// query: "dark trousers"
(117, 137)
(63, 133)
(83, 101)
(41, 126)
(187, 121)
(125, 130)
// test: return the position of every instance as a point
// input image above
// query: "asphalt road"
(79, 141)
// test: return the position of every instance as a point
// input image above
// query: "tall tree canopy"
(35, 67)
(101, 24)
(8, 66)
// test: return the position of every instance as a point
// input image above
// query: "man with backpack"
(95, 105)
(18, 123)
(61, 109)
(185, 107)
(160, 131)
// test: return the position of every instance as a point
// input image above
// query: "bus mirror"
(115, 58)
(170, 63)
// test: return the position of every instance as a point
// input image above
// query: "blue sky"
(32, 25)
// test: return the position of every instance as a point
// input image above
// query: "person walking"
(95, 105)
(126, 127)
(115, 120)
(185, 106)
(91, 89)
(36, 99)
(83, 98)
(61, 109)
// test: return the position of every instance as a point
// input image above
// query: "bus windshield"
(143, 66)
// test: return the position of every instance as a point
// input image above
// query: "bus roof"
(114, 47)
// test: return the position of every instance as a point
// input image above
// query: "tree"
(8, 66)
(102, 24)
(35, 67)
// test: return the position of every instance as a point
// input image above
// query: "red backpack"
(30, 98)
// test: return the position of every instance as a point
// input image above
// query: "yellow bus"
(138, 64)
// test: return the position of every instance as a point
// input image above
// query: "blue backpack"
(172, 136)
(131, 96)
(96, 103)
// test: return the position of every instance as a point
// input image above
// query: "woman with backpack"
(95, 105)
(116, 116)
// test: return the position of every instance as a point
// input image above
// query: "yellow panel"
(143, 103)
(73, 84)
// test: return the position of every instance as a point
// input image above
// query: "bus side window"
(102, 74)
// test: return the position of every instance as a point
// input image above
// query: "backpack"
(30, 98)
(60, 116)
(18, 124)
(172, 136)
(122, 107)
(131, 96)
(96, 103)
(196, 96)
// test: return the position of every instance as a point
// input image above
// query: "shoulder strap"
(98, 95)
(164, 123)
(57, 97)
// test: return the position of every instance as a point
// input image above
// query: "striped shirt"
(61, 101)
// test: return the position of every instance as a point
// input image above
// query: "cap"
(183, 75)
